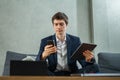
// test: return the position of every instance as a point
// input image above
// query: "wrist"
(43, 56)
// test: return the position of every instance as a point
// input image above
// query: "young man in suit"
(58, 56)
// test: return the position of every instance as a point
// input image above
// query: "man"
(58, 56)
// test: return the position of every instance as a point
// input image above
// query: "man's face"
(59, 27)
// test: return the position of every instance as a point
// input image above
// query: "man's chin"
(60, 34)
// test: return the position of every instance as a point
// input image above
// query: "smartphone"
(50, 42)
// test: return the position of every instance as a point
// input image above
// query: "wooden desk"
(56, 78)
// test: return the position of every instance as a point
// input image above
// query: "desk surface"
(56, 78)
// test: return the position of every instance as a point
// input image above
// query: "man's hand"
(88, 55)
(49, 49)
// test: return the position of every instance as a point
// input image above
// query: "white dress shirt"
(62, 55)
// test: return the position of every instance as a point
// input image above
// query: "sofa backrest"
(13, 56)
(109, 62)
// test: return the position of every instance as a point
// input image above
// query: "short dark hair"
(60, 16)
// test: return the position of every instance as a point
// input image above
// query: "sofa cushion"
(14, 56)
(109, 62)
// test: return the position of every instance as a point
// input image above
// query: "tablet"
(78, 52)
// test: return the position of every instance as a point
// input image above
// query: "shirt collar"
(59, 40)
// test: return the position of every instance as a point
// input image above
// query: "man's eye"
(61, 24)
(56, 24)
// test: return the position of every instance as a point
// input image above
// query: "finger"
(89, 53)
(48, 46)
(88, 56)
(52, 50)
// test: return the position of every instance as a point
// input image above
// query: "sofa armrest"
(13, 56)
(109, 62)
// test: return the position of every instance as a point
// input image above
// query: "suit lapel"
(68, 47)
(55, 55)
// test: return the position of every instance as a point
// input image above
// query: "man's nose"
(58, 26)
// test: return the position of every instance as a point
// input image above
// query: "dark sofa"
(10, 55)
(109, 62)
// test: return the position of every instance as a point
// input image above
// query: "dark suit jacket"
(72, 43)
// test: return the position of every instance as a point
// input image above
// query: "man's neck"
(61, 37)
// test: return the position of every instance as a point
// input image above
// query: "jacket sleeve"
(42, 45)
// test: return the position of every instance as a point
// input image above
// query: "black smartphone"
(50, 42)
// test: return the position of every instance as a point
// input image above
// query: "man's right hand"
(48, 50)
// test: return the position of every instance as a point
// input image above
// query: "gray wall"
(24, 22)
(106, 26)
(83, 20)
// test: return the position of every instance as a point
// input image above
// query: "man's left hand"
(88, 55)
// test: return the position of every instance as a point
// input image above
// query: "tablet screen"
(84, 46)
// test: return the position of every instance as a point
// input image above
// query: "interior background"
(23, 23)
